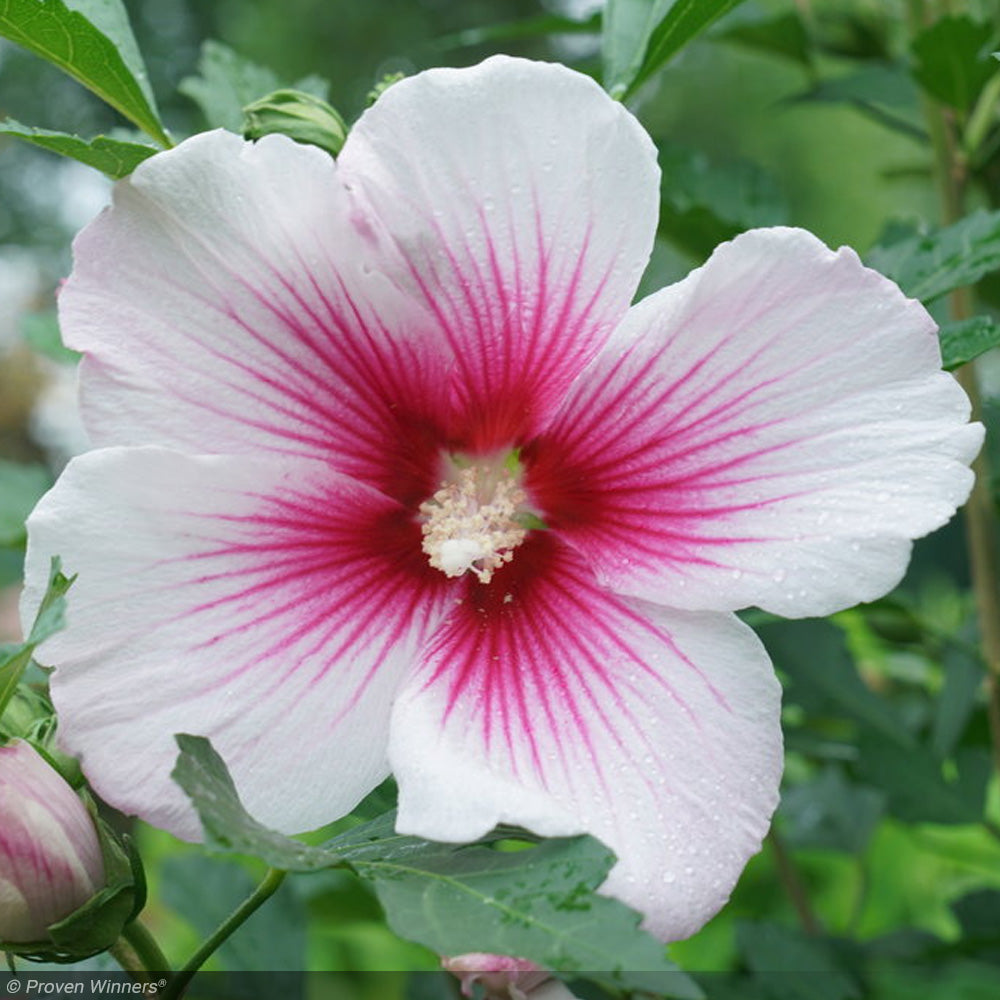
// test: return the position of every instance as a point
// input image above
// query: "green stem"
(128, 961)
(268, 886)
(145, 947)
(795, 888)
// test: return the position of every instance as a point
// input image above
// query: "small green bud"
(382, 86)
(303, 117)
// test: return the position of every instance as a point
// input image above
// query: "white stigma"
(470, 525)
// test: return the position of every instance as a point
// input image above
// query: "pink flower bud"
(50, 858)
(502, 977)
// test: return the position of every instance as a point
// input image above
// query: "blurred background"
(785, 112)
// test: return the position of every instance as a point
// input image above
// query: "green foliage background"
(882, 878)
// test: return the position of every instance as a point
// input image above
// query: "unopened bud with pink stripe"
(50, 856)
(503, 977)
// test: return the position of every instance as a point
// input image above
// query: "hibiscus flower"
(390, 477)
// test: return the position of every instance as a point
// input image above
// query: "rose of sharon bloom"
(504, 978)
(390, 476)
(50, 858)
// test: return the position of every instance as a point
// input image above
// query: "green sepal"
(303, 117)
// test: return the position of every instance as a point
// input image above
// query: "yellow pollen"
(471, 525)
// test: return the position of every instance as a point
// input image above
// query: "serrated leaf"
(929, 265)
(91, 41)
(227, 83)
(537, 903)
(952, 59)
(203, 775)
(964, 340)
(111, 156)
(21, 487)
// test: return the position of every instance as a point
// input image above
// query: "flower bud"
(304, 117)
(51, 861)
(504, 978)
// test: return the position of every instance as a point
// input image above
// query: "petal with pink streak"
(234, 299)
(773, 430)
(272, 607)
(545, 701)
(525, 201)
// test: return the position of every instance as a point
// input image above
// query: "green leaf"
(914, 781)
(884, 93)
(831, 813)
(227, 83)
(964, 340)
(963, 678)
(539, 26)
(782, 35)
(641, 37)
(51, 615)
(627, 27)
(952, 60)
(21, 487)
(683, 22)
(929, 265)
(537, 903)
(203, 775)
(705, 203)
(49, 619)
(782, 959)
(822, 677)
(92, 41)
(111, 156)
(979, 914)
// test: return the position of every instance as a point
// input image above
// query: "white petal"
(773, 430)
(233, 300)
(271, 607)
(547, 702)
(525, 202)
